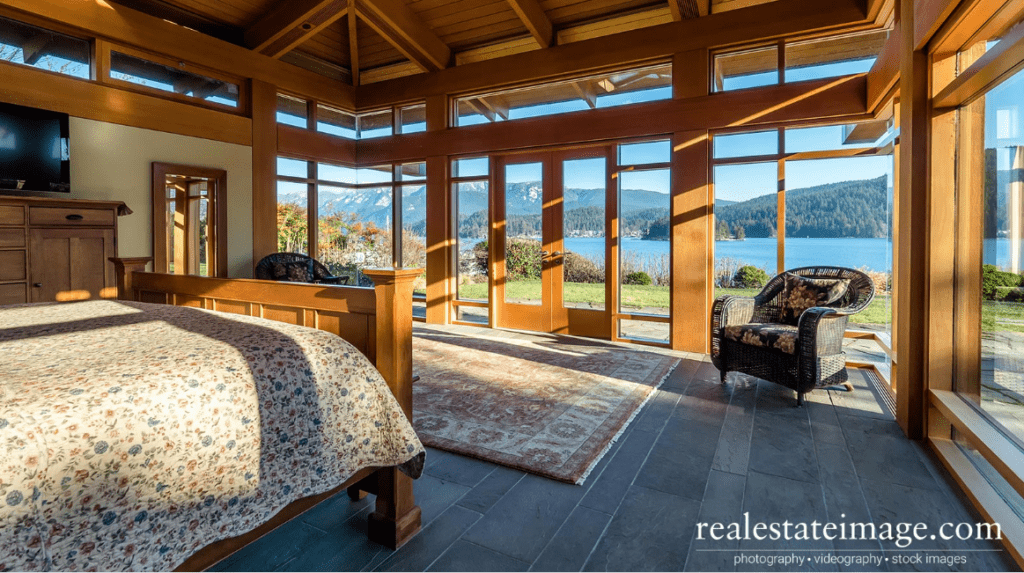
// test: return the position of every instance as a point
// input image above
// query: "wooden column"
(264, 170)
(397, 517)
(440, 223)
(123, 269)
(691, 215)
(691, 247)
(912, 275)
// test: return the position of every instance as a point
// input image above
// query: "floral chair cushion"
(769, 335)
(802, 293)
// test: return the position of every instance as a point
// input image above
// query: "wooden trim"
(784, 18)
(90, 100)
(353, 53)
(1004, 59)
(312, 145)
(982, 495)
(1000, 451)
(929, 16)
(264, 170)
(885, 73)
(124, 268)
(471, 303)
(973, 21)
(535, 20)
(397, 24)
(686, 9)
(441, 251)
(838, 99)
(112, 21)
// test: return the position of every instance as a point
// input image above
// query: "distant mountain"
(846, 209)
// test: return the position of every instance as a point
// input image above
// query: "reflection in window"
(747, 69)
(995, 158)
(412, 119)
(190, 216)
(472, 205)
(601, 91)
(166, 78)
(29, 45)
(336, 122)
(411, 178)
(291, 111)
(644, 229)
(833, 56)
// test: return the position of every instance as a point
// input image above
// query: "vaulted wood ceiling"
(364, 41)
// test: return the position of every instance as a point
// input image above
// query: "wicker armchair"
(295, 267)
(803, 356)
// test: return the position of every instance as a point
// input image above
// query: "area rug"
(551, 406)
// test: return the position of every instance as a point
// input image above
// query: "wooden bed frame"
(377, 321)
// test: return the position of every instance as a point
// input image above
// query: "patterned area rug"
(551, 406)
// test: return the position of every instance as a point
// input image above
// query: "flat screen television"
(34, 150)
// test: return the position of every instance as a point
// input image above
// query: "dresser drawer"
(13, 294)
(12, 266)
(12, 215)
(11, 238)
(65, 216)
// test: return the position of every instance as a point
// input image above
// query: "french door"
(530, 238)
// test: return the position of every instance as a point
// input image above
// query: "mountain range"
(846, 209)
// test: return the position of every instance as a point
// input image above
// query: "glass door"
(528, 243)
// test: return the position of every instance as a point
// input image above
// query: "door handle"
(74, 217)
(37, 285)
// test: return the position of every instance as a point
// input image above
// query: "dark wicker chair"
(816, 359)
(295, 267)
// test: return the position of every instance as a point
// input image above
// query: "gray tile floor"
(698, 452)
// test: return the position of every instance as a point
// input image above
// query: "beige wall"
(110, 161)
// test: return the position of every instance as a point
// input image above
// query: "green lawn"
(1001, 316)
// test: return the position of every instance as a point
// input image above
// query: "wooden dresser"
(57, 249)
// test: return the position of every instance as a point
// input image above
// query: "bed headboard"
(377, 321)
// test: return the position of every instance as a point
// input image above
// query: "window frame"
(218, 205)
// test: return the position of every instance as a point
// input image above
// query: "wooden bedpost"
(123, 269)
(397, 517)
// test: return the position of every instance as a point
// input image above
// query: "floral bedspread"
(132, 435)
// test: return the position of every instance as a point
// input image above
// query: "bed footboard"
(377, 321)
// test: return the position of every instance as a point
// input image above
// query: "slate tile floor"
(699, 451)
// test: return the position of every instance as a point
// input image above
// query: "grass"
(995, 316)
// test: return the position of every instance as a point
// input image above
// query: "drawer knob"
(74, 217)
(37, 285)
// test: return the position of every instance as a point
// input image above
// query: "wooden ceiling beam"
(397, 24)
(353, 43)
(586, 92)
(688, 9)
(535, 20)
(35, 48)
(292, 22)
(771, 21)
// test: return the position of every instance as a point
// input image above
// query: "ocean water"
(872, 254)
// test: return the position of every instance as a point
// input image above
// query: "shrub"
(749, 276)
(992, 279)
(580, 269)
(1010, 294)
(637, 278)
(522, 259)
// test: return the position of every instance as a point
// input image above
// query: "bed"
(171, 428)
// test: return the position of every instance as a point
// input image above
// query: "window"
(807, 196)
(191, 220)
(593, 92)
(412, 119)
(746, 69)
(336, 122)
(583, 232)
(164, 77)
(354, 220)
(644, 183)
(833, 56)
(291, 111)
(40, 48)
(471, 188)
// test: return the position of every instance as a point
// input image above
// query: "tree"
(723, 231)
(741, 233)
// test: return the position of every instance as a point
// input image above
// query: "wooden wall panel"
(314, 146)
(691, 244)
(80, 98)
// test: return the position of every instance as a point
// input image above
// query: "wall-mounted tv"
(34, 150)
